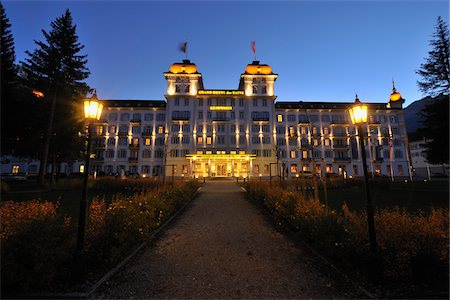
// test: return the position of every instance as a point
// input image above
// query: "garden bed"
(37, 242)
(413, 246)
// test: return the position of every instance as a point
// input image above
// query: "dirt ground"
(224, 247)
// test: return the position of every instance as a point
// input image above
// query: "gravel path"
(223, 247)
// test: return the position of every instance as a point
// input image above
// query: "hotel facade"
(198, 132)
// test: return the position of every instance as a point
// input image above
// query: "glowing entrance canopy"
(195, 157)
(221, 165)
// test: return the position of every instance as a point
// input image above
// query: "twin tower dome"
(184, 79)
(257, 80)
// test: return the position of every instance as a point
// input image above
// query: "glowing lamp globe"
(358, 112)
(92, 108)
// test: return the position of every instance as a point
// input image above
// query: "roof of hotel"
(134, 103)
(323, 105)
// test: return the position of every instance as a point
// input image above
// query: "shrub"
(413, 247)
(37, 245)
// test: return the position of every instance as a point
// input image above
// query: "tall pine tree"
(57, 69)
(436, 131)
(435, 72)
(8, 82)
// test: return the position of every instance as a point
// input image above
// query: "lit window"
(148, 142)
(208, 140)
(200, 140)
(329, 169)
(304, 154)
(316, 142)
(327, 142)
(81, 168)
(15, 169)
(280, 118)
(293, 154)
(160, 129)
(291, 131)
(326, 130)
(303, 130)
(293, 168)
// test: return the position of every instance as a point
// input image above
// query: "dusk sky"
(322, 50)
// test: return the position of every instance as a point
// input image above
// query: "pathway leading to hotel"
(223, 247)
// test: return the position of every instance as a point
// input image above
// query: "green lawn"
(412, 196)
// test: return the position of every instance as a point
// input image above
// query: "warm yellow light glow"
(92, 109)
(81, 169)
(221, 92)
(358, 113)
(221, 108)
(38, 94)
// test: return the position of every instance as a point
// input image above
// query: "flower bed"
(37, 244)
(413, 247)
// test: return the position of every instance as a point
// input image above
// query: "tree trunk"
(48, 136)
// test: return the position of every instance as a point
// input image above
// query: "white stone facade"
(244, 132)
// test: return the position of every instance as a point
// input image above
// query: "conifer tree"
(57, 69)
(8, 81)
(435, 72)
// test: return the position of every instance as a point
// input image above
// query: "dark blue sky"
(322, 50)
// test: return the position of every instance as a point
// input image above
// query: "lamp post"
(358, 114)
(92, 111)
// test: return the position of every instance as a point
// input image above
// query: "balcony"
(339, 134)
(378, 160)
(220, 119)
(306, 146)
(339, 123)
(260, 119)
(133, 159)
(146, 134)
(342, 159)
(303, 122)
(341, 146)
(180, 118)
(122, 133)
(374, 123)
(307, 159)
(134, 146)
(136, 121)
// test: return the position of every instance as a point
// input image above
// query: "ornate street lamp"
(92, 111)
(358, 114)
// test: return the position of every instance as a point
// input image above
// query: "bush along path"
(37, 243)
(414, 248)
(223, 247)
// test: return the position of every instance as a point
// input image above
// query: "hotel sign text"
(220, 92)
(221, 108)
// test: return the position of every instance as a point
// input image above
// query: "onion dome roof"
(186, 67)
(255, 68)
(395, 96)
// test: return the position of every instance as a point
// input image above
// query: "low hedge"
(413, 247)
(37, 244)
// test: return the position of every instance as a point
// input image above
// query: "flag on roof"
(254, 47)
(183, 47)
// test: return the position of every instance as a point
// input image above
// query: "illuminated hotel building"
(244, 132)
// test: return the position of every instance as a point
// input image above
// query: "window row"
(126, 116)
